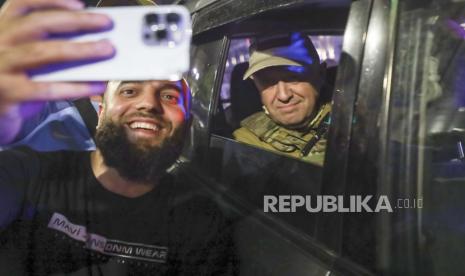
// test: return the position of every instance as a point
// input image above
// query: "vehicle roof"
(210, 14)
(197, 5)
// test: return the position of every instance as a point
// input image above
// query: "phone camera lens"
(161, 34)
(151, 18)
(172, 18)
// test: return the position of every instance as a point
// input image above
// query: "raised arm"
(24, 27)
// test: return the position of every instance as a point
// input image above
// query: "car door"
(275, 243)
(422, 135)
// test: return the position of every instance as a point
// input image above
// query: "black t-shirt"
(57, 219)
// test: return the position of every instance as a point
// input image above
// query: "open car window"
(240, 98)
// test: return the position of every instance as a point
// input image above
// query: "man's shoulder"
(257, 124)
(190, 192)
(257, 120)
(31, 170)
(193, 205)
(28, 151)
(187, 189)
(243, 134)
(322, 116)
(28, 157)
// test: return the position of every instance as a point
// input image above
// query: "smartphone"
(151, 42)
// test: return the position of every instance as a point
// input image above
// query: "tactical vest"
(301, 143)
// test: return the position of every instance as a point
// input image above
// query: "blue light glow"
(296, 51)
(295, 69)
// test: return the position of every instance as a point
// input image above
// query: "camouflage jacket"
(308, 143)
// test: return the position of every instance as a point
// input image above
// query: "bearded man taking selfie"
(112, 211)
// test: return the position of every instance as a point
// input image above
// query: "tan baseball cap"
(295, 49)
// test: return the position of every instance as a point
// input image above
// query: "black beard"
(137, 162)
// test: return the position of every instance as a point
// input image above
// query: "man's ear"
(100, 109)
(100, 113)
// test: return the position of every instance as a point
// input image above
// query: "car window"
(238, 98)
(237, 107)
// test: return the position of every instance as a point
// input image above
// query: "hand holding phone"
(151, 42)
(24, 25)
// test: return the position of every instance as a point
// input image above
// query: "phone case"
(150, 42)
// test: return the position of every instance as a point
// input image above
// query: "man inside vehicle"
(112, 211)
(287, 72)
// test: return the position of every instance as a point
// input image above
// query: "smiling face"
(141, 127)
(287, 94)
(150, 111)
